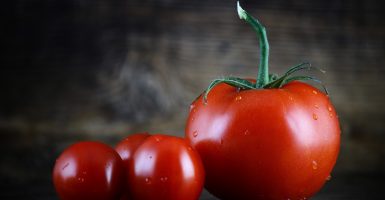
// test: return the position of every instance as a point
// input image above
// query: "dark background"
(99, 70)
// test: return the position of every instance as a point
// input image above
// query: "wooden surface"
(348, 186)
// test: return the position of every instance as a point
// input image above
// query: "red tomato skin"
(126, 149)
(166, 168)
(265, 144)
(88, 170)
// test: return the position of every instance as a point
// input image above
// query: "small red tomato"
(126, 149)
(166, 168)
(88, 170)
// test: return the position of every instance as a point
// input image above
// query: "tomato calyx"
(264, 79)
(287, 78)
(240, 83)
(274, 80)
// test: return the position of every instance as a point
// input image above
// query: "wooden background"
(76, 70)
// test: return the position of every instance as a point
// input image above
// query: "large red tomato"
(273, 138)
(88, 170)
(265, 144)
(126, 149)
(165, 168)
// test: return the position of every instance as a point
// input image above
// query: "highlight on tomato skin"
(88, 170)
(127, 147)
(165, 167)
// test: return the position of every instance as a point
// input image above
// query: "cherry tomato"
(88, 170)
(165, 168)
(265, 143)
(126, 149)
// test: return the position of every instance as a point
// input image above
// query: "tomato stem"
(264, 79)
(263, 70)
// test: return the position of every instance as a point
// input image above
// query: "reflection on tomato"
(88, 170)
(165, 168)
(127, 147)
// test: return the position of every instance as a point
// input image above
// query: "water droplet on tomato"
(329, 108)
(157, 139)
(315, 92)
(65, 166)
(164, 179)
(150, 157)
(81, 179)
(315, 117)
(330, 115)
(84, 172)
(316, 106)
(148, 180)
(328, 178)
(238, 98)
(195, 133)
(247, 132)
(290, 98)
(314, 165)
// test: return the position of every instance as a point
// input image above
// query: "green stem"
(263, 70)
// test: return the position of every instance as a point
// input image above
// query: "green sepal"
(279, 82)
(305, 78)
(273, 77)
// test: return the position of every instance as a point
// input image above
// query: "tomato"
(88, 170)
(165, 168)
(269, 138)
(276, 143)
(126, 149)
